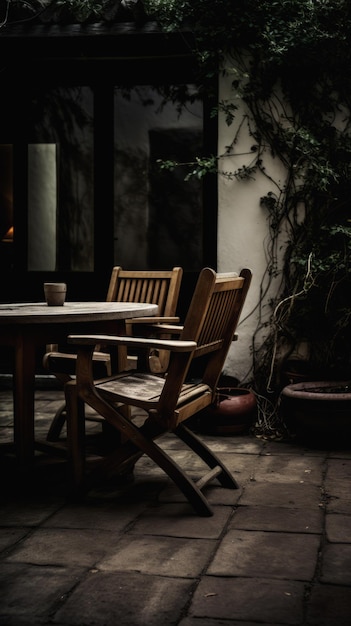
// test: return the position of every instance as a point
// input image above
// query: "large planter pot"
(296, 371)
(234, 411)
(319, 411)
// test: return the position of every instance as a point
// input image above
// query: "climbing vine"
(288, 61)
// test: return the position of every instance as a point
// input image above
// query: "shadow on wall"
(159, 221)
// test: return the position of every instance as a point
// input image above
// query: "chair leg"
(147, 446)
(189, 488)
(199, 447)
(75, 437)
(139, 441)
(57, 424)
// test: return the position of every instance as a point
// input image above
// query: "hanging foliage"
(289, 61)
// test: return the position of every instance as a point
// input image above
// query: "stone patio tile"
(341, 454)
(338, 477)
(336, 564)
(204, 621)
(125, 599)
(338, 528)
(6, 423)
(6, 405)
(102, 515)
(218, 495)
(218, 443)
(272, 555)
(289, 469)
(30, 594)
(256, 599)
(186, 459)
(277, 519)
(329, 605)
(337, 504)
(65, 547)
(10, 536)
(174, 520)
(291, 447)
(337, 484)
(215, 493)
(291, 495)
(235, 445)
(163, 556)
(338, 469)
(138, 492)
(28, 510)
(338, 489)
(241, 466)
(138, 554)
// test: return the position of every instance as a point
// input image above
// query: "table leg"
(23, 399)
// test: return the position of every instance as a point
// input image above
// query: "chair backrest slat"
(159, 287)
(211, 321)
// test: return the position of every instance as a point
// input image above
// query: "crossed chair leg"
(136, 441)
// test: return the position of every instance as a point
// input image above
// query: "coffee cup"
(55, 293)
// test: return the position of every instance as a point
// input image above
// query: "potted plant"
(233, 412)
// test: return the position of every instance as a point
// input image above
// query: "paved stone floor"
(276, 551)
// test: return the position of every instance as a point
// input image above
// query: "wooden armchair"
(159, 287)
(197, 355)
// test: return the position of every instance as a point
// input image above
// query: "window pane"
(62, 117)
(42, 207)
(158, 216)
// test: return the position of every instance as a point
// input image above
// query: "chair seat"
(144, 390)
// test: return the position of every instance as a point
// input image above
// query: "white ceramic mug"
(55, 293)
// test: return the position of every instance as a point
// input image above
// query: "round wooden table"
(29, 327)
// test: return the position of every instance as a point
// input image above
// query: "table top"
(41, 313)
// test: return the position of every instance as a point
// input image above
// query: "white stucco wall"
(242, 229)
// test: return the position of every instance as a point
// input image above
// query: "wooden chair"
(197, 354)
(159, 287)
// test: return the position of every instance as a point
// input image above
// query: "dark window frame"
(100, 56)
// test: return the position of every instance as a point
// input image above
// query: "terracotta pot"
(233, 413)
(319, 411)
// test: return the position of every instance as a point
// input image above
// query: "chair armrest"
(152, 320)
(167, 328)
(133, 342)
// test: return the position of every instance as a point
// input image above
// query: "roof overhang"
(93, 48)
